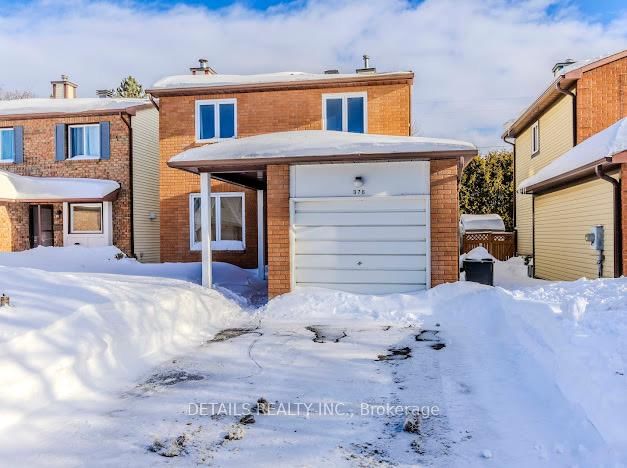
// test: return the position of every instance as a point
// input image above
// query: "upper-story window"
(535, 138)
(216, 119)
(7, 145)
(84, 141)
(345, 112)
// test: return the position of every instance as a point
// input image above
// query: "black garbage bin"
(480, 270)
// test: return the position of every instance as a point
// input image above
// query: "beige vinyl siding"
(556, 137)
(146, 184)
(563, 218)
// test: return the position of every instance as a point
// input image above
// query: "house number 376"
(359, 191)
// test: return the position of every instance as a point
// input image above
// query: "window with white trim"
(7, 145)
(345, 112)
(228, 228)
(84, 141)
(85, 218)
(535, 138)
(216, 119)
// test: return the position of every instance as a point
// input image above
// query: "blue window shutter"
(105, 140)
(18, 144)
(59, 141)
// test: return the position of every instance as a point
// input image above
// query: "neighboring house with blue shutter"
(79, 171)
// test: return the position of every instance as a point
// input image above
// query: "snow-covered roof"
(482, 222)
(219, 80)
(14, 187)
(67, 106)
(605, 144)
(315, 143)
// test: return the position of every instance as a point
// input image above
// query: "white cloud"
(477, 63)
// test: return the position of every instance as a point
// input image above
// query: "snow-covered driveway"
(533, 375)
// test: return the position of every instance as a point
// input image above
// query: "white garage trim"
(402, 261)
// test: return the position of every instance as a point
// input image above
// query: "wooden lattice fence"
(501, 245)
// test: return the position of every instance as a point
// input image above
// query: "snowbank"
(316, 143)
(71, 337)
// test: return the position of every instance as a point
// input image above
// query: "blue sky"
(477, 63)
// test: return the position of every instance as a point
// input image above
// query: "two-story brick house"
(569, 177)
(267, 141)
(79, 171)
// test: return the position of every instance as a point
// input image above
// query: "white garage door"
(371, 245)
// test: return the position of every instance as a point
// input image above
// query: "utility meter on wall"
(595, 237)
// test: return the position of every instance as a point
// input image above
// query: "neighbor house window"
(84, 141)
(345, 112)
(86, 218)
(216, 119)
(7, 145)
(535, 138)
(227, 221)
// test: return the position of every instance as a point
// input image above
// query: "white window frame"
(535, 138)
(344, 97)
(8, 161)
(218, 243)
(216, 118)
(85, 205)
(69, 142)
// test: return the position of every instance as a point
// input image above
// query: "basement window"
(7, 145)
(535, 138)
(345, 112)
(227, 221)
(216, 119)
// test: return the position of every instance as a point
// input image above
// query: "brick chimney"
(203, 68)
(63, 88)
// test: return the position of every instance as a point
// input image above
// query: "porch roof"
(606, 148)
(18, 188)
(306, 146)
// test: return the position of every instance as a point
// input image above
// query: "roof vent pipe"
(203, 68)
(367, 68)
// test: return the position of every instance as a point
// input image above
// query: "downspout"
(130, 178)
(618, 233)
(154, 103)
(514, 178)
(574, 101)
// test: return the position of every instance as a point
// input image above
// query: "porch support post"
(261, 259)
(205, 224)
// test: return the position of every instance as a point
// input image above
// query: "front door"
(41, 226)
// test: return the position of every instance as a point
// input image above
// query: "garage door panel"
(362, 262)
(378, 233)
(362, 204)
(361, 288)
(369, 218)
(361, 247)
(323, 275)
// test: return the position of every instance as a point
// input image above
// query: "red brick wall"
(623, 181)
(444, 222)
(601, 98)
(279, 269)
(39, 160)
(257, 112)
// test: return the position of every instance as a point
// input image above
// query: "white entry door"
(369, 245)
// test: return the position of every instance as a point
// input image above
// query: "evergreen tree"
(487, 186)
(130, 88)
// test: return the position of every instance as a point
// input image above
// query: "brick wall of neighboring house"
(623, 181)
(279, 280)
(257, 112)
(601, 98)
(39, 160)
(444, 222)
